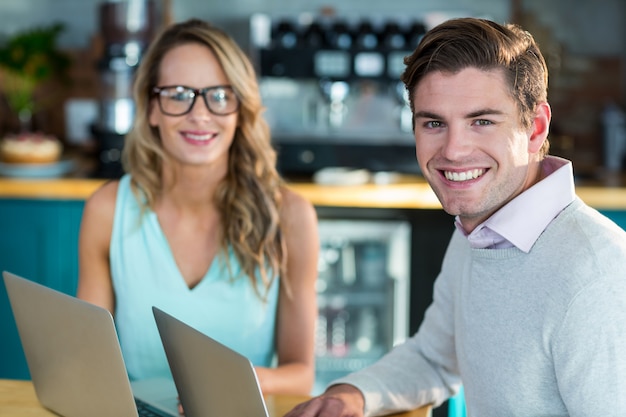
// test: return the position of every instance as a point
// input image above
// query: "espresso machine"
(332, 90)
(126, 28)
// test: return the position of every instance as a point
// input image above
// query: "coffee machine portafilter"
(126, 28)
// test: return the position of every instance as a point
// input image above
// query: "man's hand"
(338, 401)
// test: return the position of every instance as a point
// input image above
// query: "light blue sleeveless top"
(145, 274)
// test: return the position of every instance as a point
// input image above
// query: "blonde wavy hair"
(249, 198)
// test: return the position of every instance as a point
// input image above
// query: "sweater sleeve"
(422, 370)
(589, 358)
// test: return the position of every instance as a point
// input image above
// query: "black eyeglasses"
(176, 100)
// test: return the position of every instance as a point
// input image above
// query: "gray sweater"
(536, 334)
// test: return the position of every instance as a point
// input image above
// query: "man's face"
(470, 144)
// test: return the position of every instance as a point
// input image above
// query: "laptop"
(229, 385)
(75, 359)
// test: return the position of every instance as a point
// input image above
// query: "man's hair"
(479, 43)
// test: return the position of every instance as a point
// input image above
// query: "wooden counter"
(414, 194)
(18, 399)
(406, 194)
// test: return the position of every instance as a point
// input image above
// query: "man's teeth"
(464, 176)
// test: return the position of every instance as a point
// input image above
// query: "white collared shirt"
(521, 221)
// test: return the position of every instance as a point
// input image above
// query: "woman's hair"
(249, 198)
(469, 42)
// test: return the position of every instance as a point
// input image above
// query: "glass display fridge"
(363, 294)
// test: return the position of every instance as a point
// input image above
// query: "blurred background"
(583, 40)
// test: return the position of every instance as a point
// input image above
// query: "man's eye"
(433, 124)
(482, 122)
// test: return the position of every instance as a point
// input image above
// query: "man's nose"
(457, 143)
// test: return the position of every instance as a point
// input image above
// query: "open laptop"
(74, 356)
(229, 383)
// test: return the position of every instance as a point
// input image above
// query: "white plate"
(341, 176)
(56, 169)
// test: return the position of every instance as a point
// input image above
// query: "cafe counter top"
(404, 193)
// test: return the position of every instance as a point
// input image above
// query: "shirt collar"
(521, 221)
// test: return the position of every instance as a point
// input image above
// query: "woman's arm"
(94, 280)
(297, 310)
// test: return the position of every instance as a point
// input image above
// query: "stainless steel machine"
(332, 89)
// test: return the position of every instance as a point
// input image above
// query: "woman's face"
(199, 137)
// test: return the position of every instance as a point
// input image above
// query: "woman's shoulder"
(106, 192)
(292, 201)
(102, 201)
(296, 209)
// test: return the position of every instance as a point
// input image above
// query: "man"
(529, 309)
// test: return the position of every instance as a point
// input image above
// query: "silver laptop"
(74, 356)
(229, 383)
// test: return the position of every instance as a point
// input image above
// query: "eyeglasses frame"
(156, 92)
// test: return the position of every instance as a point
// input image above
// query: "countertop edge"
(405, 195)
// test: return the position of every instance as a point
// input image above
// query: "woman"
(202, 225)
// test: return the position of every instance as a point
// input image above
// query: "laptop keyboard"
(146, 410)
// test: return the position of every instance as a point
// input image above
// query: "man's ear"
(540, 127)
